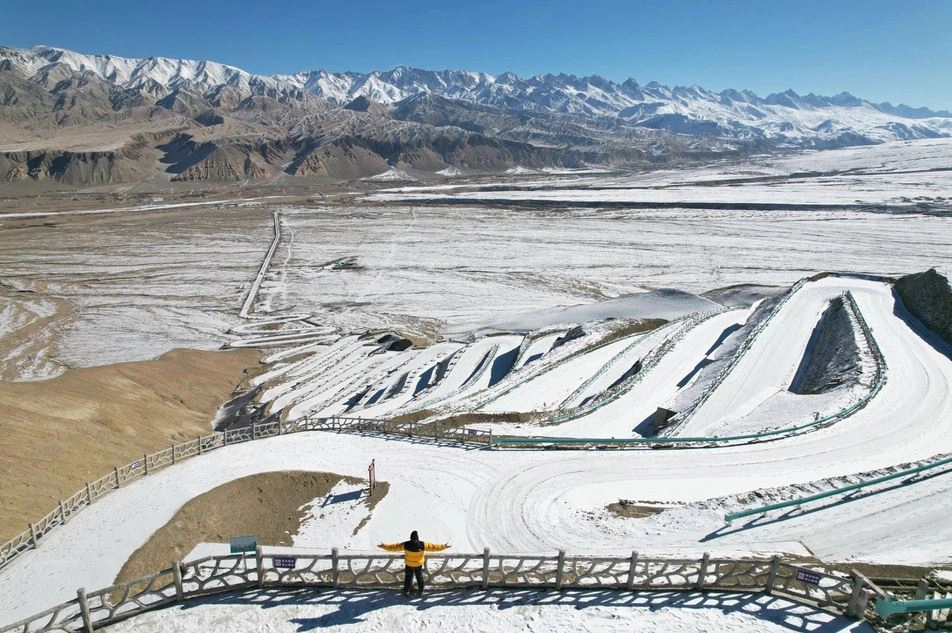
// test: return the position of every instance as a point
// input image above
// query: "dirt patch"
(629, 510)
(413, 416)
(911, 573)
(60, 433)
(33, 339)
(269, 505)
(632, 327)
(458, 420)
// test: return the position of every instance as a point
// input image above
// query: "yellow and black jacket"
(414, 552)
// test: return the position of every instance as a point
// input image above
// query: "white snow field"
(569, 385)
(531, 501)
(498, 287)
(763, 375)
(902, 172)
(152, 280)
(428, 270)
(144, 282)
(596, 612)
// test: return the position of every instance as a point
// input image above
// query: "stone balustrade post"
(177, 577)
(560, 570)
(702, 572)
(772, 574)
(84, 610)
(631, 571)
(335, 567)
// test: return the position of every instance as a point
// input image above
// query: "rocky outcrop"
(190, 160)
(72, 168)
(345, 158)
(363, 104)
(928, 297)
(832, 358)
(133, 161)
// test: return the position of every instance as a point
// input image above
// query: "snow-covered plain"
(150, 281)
(142, 282)
(898, 173)
(428, 270)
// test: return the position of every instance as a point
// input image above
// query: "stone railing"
(121, 475)
(335, 570)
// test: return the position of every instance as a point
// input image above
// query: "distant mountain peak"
(735, 115)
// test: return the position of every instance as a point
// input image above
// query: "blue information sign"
(808, 577)
(285, 562)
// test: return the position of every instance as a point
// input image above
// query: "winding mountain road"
(530, 501)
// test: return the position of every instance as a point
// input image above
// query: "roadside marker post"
(372, 474)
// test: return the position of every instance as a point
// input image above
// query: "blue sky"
(876, 49)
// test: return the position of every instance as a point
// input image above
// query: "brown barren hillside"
(59, 433)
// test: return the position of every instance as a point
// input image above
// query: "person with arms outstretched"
(414, 555)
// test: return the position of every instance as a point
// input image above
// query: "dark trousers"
(408, 574)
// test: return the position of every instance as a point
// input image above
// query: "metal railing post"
(705, 560)
(33, 536)
(84, 610)
(62, 509)
(115, 469)
(631, 571)
(560, 570)
(89, 493)
(177, 576)
(173, 453)
(485, 568)
(335, 569)
(145, 463)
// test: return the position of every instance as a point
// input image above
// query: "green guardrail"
(823, 495)
(679, 442)
(890, 606)
(717, 439)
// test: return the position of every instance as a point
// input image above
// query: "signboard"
(134, 465)
(471, 432)
(284, 562)
(241, 544)
(808, 577)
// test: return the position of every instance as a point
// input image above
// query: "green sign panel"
(242, 544)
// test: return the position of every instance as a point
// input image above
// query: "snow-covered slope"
(781, 120)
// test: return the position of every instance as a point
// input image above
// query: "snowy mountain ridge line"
(595, 94)
(785, 118)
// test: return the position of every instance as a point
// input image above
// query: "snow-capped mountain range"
(778, 120)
